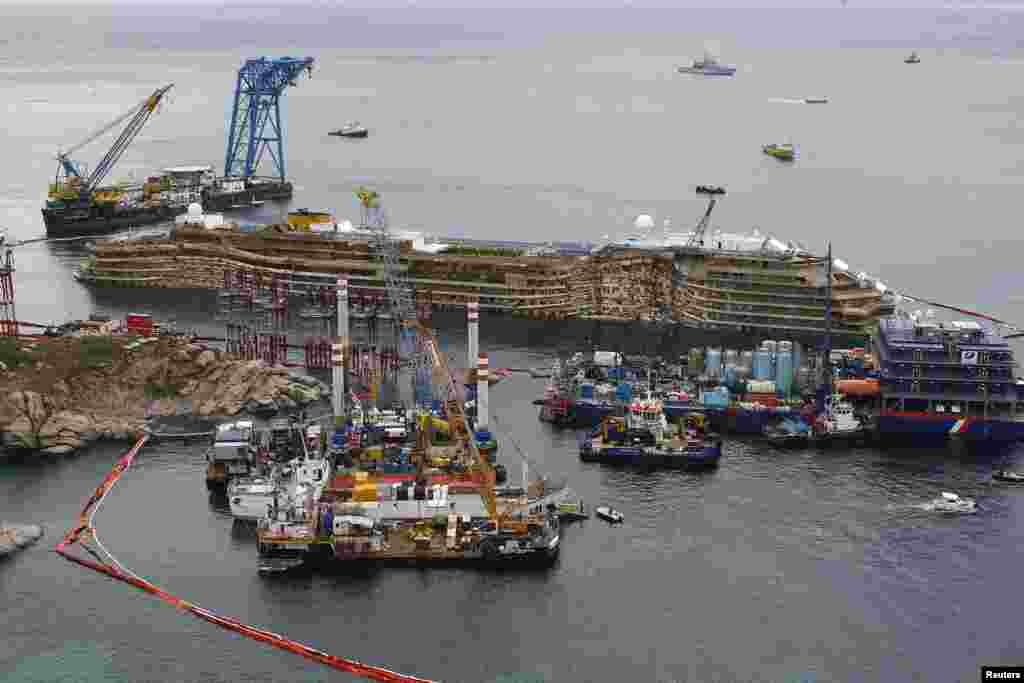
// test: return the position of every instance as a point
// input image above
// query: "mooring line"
(121, 573)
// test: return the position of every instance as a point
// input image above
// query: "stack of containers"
(713, 364)
(798, 358)
(763, 365)
(587, 391)
(783, 372)
(719, 398)
(746, 364)
(624, 392)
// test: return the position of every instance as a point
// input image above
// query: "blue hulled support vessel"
(946, 380)
(644, 438)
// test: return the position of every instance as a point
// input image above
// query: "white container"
(607, 358)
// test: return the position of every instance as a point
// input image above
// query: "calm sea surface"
(539, 125)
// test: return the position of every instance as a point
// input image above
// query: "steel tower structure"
(256, 115)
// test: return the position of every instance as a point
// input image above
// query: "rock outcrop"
(57, 406)
(14, 537)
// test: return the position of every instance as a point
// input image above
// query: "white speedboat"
(250, 498)
(353, 129)
(819, 99)
(1009, 477)
(708, 66)
(608, 514)
(951, 502)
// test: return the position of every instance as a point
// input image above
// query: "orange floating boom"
(114, 571)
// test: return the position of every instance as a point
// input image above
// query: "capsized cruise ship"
(746, 282)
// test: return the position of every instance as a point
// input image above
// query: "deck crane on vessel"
(70, 183)
(697, 238)
(256, 114)
(401, 301)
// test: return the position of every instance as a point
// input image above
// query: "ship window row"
(924, 386)
(954, 355)
(780, 288)
(748, 277)
(975, 373)
(961, 408)
(784, 321)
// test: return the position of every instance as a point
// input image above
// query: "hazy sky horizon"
(1002, 5)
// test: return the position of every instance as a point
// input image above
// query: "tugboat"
(353, 129)
(912, 59)
(708, 66)
(784, 152)
(838, 422)
(644, 438)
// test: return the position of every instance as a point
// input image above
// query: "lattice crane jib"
(256, 125)
(713, 193)
(70, 175)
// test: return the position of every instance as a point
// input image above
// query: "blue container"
(730, 376)
(783, 372)
(616, 373)
(328, 521)
(587, 391)
(713, 363)
(717, 399)
(483, 435)
(763, 366)
(624, 392)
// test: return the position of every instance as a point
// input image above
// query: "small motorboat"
(352, 129)
(1009, 477)
(784, 152)
(951, 502)
(912, 59)
(708, 66)
(540, 373)
(781, 438)
(608, 514)
(820, 99)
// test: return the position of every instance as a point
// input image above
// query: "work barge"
(401, 486)
(726, 287)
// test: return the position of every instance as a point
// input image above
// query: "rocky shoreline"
(56, 407)
(14, 537)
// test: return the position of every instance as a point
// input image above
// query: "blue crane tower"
(256, 114)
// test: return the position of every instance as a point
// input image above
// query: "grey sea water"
(541, 124)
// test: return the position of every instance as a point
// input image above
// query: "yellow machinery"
(304, 219)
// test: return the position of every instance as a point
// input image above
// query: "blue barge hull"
(941, 428)
(699, 457)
